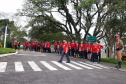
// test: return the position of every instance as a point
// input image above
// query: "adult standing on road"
(18, 45)
(65, 51)
(15, 44)
(119, 49)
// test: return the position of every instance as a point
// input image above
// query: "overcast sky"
(10, 6)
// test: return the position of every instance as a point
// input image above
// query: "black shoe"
(60, 61)
(67, 62)
(118, 67)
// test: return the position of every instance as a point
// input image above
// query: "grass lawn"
(6, 50)
(113, 61)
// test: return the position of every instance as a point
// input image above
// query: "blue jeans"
(30, 48)
(62, 56)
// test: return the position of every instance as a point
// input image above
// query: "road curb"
(4, 55)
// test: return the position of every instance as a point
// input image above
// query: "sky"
(10, 6)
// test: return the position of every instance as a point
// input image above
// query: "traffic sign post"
(5, 37)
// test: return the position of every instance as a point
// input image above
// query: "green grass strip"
(6, 50)
(113, 61)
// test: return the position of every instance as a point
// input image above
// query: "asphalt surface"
(43, 68)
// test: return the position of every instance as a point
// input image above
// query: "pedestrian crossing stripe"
(66, 66)
(91, 65)
(34, 66)
(48, 66)
(60, 65)
(19, 67)
(76, 67)
(3, 66)
(81, 65)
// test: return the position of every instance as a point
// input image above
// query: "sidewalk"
(3, 55)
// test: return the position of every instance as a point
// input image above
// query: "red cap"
(118, 36)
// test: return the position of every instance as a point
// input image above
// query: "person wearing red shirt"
(95, 52)
(76, 48)
(24, 46)
(81, 49)
(65, 51)
(38, 46)
(85, 49)
(15, 44)
(69, 47)
(61, 47)
(49, 47)
(89, 50)
(55, 46)
(29, 46)
(72, 47)
(41, 46)
(99, 54)
(44, 46)
(58, 47)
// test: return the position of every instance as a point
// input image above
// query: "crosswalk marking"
(34, 66)
(3, 66)
(98, 65)
(91, 65)
(60, 65)
(101, 66)
(76, 67)
(81, 65)
(19, 67)
(48, 66)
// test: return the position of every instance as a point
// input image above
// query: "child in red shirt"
(99, 54)
(65, 51)
(72, 48)
(89, 50)
(81, 49)
(15, 44)
(69, 48)
(95, 52)
(85, 49)
(55, 46)
(76, 48)
(49, 47)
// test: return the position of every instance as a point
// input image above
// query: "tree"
(80, 17)
(15, 32)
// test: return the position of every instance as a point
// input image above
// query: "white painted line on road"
(31, 55)
(60, 65)
(48, 66)
(4, 55)
(76, 67)
(34, 66)
(81, 65)
(19, 67)
(3, 66)
(91, 65)
(102, 66)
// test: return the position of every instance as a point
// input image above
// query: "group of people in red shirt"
(85, 50)
(36, 46)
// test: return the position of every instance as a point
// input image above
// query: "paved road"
(43, 68)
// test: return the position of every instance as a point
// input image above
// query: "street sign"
(8, 30)
(91, 39)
